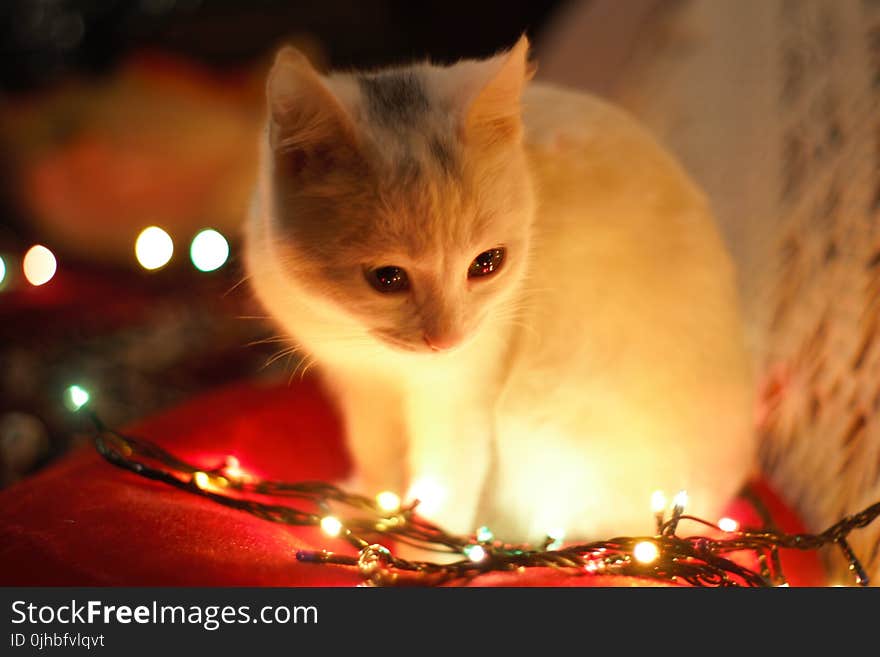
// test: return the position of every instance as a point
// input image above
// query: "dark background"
(44, 40)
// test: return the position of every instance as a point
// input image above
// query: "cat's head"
(402, 197)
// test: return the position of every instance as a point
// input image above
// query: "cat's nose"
(441, 342)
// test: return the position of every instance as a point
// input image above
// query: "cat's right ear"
(305, 115)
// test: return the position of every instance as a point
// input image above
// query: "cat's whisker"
(311, 362)
(281, 354)
(293, 373)
(303, 366)
(518, 310)
(271, 340)
(244, 279)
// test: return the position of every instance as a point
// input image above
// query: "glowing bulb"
(430, 494)
(209, 250)
(201, 480)
(75, 397)
(388, 501)
(681, 499)
(645, 552)
(658, 501)
(232, 469)
(331, 526)
(153, 248)
(39, 265)
(728, 525)
(2, 270)
(557, 534)
(484, 534)
(475, 553)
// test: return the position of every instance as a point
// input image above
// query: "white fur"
(616, 366)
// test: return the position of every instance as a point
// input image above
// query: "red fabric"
(84, 522)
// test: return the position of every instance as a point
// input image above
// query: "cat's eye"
(388, 280)
(487, 263)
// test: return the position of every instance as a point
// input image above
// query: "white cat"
(518, 298)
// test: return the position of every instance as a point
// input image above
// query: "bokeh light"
(646, 552)
(430, 493)
(475, 553)
(331, 526)
(232, 469)
(39, 265)
(209, 250)
(388, 501)
(658, 501)
(484, 534)
(681, 499)
(728, 525)
(556, 536)
(2, 270)
(153, 248)
(201, 479)
(75, 397)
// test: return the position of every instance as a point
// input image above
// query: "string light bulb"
(331, 526)
(388, 501)
(475, 553)
(658, 506)
(679, 502)
(233, 470)
(728, 525)
(2, 271)
(658, 501)
(430, 494)
(645, 552)
(201, 479)
(484, 534)
(556, 536)
(680, 499)
(75, 397)
(39, 265)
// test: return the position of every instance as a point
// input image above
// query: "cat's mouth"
(396, 343)
(426, 346)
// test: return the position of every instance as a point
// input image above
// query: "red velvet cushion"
(84, 522)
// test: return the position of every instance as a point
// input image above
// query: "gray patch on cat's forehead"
(442, 152)
(394, 99)
(398, 103)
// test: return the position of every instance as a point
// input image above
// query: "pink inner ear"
(495, 112)
(303, 108)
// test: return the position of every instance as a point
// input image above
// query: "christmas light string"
(363, 522)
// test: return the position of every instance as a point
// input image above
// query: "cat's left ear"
(494, 113)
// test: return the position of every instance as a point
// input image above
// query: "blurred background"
(133, 123)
